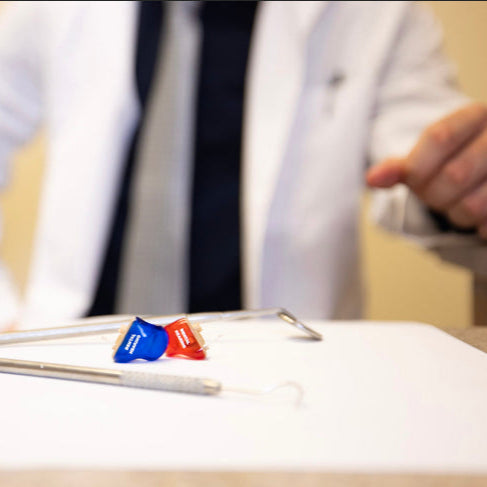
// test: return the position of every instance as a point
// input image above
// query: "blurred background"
(402, 281)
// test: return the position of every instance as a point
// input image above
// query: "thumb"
(387, 173)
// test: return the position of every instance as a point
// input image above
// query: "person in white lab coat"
(331, 86)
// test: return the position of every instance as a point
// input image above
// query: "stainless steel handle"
(107, 325)
(145, 380)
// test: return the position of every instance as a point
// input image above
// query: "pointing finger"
(440, 141)
(387, 173)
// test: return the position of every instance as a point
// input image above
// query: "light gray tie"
(154, 268)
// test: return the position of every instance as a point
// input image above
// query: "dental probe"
(107, 325)
(145, 380)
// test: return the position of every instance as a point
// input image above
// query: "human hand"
(447, 168)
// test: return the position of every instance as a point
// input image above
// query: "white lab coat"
(331, 87)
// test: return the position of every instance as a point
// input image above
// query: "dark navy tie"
(215, 277)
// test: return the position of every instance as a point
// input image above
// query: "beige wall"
(18, 204)
(405, 282)
(402, 282)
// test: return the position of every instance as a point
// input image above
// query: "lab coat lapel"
(90, 132)
(275, 75)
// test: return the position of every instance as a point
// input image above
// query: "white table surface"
(379, 397)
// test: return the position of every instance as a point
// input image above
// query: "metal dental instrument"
(108, 325)
(145, 380)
